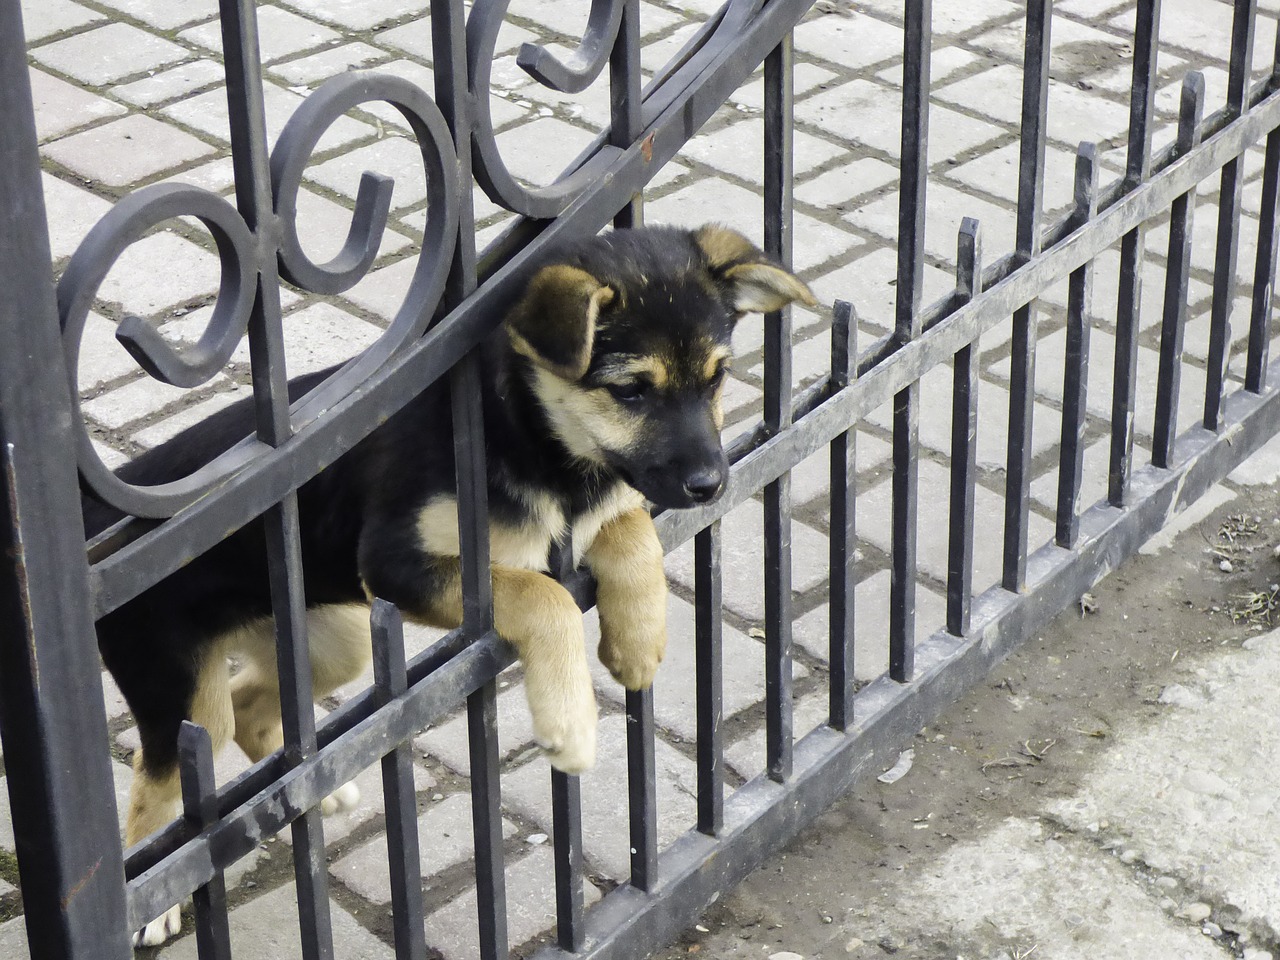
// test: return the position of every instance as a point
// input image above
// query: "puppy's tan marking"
(722, 246)
(715, 359)
(539, 618)
(522, 545)
(629, 368)
(554, 323)
(587, 422)
(631, 595)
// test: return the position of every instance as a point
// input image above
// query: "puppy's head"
(629, 338)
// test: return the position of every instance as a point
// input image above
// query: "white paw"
(160, 929)
(346, 797)
(564, 725)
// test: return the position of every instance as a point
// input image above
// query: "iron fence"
(83, 894)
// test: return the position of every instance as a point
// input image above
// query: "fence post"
(51, 708)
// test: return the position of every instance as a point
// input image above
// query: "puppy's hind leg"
(156, 790)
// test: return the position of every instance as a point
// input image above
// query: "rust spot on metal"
(84, 881)
(646, 149)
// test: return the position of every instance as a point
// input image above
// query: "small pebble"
(701, 929)
(1195, 912)
(1166, 883)
(1225, 566)
(853, 945)
(536, 839)
(1129, 856)
(785, 955)
(1211, 929)
(1253, 953)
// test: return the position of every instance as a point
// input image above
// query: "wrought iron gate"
(83, 894)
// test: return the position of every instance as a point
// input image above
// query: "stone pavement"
(129, 92)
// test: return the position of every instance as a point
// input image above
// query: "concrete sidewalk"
(129, 92)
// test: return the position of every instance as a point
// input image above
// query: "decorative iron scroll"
(239, 251)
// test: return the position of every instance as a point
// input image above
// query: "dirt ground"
(1027, 735)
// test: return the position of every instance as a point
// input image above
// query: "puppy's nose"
(703, 486)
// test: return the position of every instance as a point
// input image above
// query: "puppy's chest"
(526, 541)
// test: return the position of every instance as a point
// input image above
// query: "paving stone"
(945, 64)
(382, 291)
(746, 756)
(360, 14)
(163, 14)
(217, 176)
(71, 211)
(1216, 496)
(266, 928)
(415, 39)
(537, 152)
(868, 113)
(808, 76)
(327, 63)
(170, 84)
(1189, 26)
(6, 889)
(121, 776)
(837, 187)
(743, 561)
(874, 514)
(1201, 809)
(1069, 38)
(996, 173)
(102, 357)
(1262, 467)
(851, 42)
(44, 18)
(870, 624)
(127, 150)
(945, 209)
(1093, 478)
(61, 106)
(739, 150)
(133, 401)
(13, 939)
(396, 157)
(108, 53)
(811, 478)
(656, 55)
(445, 839)
(718, 200)
(870, 284)
(280, 34)
(1021, 884)
(605, 838)
(133, 282)
(317, 337)
(530, 908)
(447, 741)
(675, 689)
(207, 112)
(170, 427)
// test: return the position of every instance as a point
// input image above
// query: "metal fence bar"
(1129, 305)
(917, 48)
(486, 818)
(1177, 277)
(708, 637)
(779, 68)
(642, 791)
(1022, 350)
(399, 803)
(1224, 264)
(199, 807)
(964, 440)
(1075, 385)
(843, 530)
(1264, 271)
(566, 811)
(62, 805)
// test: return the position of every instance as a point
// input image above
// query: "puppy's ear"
(554, 324)
(757, 284)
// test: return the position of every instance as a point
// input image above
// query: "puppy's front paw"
(346, 797)
(160, 929)
(564, 721)
(633, 660)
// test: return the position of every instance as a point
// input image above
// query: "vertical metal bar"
(642, 789)
(1129, 304)
(708, 632)
(917, 47)
(964, 440)
(55, 745)
(486, 818)
(1174, 319)
(625, 124)
(844, 491)
(399, 802)
(1264, 271)
(1075, 385)
(566, 812)
(200, 808)
(1022, 389)
(778, 181)
(1224, 264)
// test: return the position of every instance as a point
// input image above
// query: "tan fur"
(653, 368)
(559, 309)
(539, 618)
(587, 527)
(722, 246)
(762, 288)
(716, 356)
(631, 595)
(524, 545)
(589, 422)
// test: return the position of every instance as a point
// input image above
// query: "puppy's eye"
(628, 392)
(717, 378)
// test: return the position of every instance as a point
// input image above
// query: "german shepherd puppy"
(600, 391)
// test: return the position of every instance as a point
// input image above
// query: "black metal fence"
(83, 894)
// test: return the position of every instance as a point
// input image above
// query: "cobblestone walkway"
(129, 92)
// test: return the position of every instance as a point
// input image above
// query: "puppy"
(600, 391)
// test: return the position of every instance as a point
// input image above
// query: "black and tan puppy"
(601, 391)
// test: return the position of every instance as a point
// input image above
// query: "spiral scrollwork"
(240, 251)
